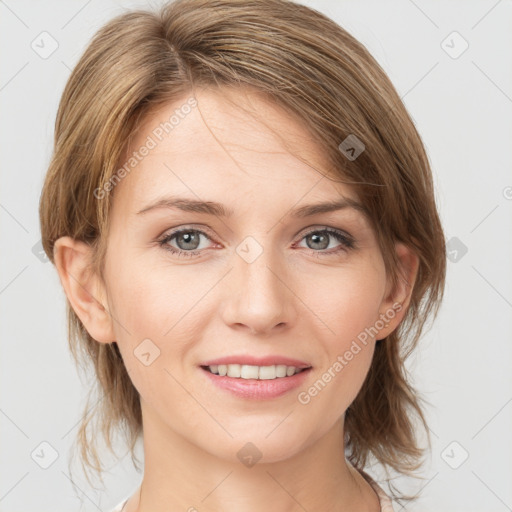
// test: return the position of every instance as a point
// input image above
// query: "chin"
(257, 447)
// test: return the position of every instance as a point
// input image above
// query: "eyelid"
(209, 232)
(184, 227)
(344, 237)
(346, 240)
(172, 232)
(323, 227)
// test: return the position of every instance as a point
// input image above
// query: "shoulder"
(386, 504)
(120, 506)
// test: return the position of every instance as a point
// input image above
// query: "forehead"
(226, 146)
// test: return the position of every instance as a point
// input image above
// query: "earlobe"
(397, 298)
(83, 287)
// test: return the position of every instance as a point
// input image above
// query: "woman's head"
(264, 107)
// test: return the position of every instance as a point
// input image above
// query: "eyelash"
(346, 241)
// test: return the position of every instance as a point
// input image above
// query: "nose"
(258, 298)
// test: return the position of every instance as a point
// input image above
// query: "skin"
(289, 301)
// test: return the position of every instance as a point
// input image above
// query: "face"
(187, 287)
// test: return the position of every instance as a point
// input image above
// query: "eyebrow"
(219, 210)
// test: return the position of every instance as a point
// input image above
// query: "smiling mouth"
(250, 372)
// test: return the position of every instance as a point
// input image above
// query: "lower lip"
(258, 389)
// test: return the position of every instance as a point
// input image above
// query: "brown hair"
(317, 71)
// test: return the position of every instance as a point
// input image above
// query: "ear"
(83, 288)
(397, 298)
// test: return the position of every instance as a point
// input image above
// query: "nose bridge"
(258, 265)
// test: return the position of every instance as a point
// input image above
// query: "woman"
(242, 216)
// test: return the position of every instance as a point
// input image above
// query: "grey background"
(462, 106)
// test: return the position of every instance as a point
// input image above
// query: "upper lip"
(257, 361)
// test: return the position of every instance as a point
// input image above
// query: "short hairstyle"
(307, 64)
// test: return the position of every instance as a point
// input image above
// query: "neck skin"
(180, 476)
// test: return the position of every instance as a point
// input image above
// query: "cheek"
(347, 302)
(347, 308)
(158, 311)
(150, 300)
(155, 327)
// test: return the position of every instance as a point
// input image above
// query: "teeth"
(290, 371)
(233, 370)
(245, 371)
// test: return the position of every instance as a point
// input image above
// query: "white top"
(385, 501)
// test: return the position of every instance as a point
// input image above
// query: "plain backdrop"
(451, 63)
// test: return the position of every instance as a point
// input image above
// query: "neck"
(180, 476)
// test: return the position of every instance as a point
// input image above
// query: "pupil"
(189, 239)
(316, 238)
